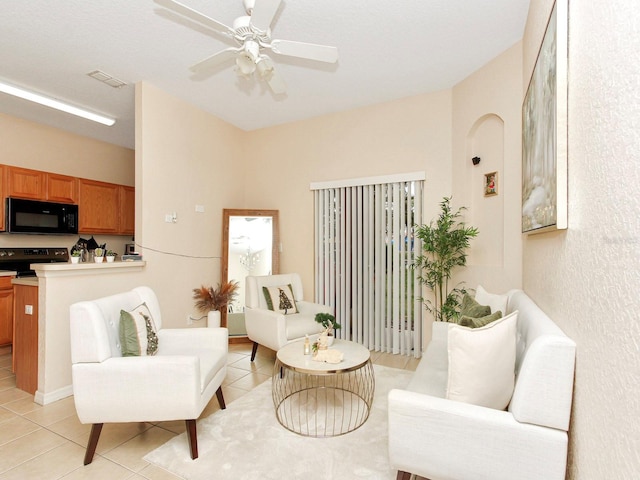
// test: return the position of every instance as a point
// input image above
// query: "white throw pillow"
(495, 301)
(280, 299)
(482, 363)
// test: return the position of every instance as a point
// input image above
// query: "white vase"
(110, 259)
(98, 259)
(75, 259)
(330, 339)
(213, 319)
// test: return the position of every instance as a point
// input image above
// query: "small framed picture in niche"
(490, 184)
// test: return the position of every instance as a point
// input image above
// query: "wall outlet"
(28, 309)
(200, 208)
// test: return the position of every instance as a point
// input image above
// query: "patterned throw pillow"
(138, 336)
(280, 299)
(478, 322)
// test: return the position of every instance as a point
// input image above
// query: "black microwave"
(32, 216)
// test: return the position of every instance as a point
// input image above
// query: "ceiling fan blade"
(194, 15)
(276, 83)
(263, 13)
(214, 60)
(321, 53)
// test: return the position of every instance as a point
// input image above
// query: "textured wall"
(587, 277)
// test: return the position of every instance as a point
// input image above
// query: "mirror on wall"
(249, 247)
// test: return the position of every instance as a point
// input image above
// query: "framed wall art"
(490, 184)
(544, 131)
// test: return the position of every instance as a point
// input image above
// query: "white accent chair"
(175, 384)
(273, 329)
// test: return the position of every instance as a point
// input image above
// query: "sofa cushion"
(137, 331)
(495, 301)
(280, 299)
(471, 308)
(482, 363)
(477, 322)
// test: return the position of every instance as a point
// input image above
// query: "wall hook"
(475, 160)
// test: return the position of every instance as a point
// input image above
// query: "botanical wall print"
(490, 184)
(544, 132)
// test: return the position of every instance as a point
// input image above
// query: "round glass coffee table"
(318, 399)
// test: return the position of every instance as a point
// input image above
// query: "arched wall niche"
(486, 140)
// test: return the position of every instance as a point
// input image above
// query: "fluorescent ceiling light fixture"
(53, 103)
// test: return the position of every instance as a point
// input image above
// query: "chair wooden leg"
(96, 428)
(220, 398)
(253, 351)
(403, 475)
(193, 438)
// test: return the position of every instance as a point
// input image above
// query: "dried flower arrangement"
(209, 298)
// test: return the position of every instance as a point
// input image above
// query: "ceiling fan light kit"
(252, 32)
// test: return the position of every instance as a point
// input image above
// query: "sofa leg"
(220, 398)
(253, 351)
(193, 438)
(403, 475)
(96, 428)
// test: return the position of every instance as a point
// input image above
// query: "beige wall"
(408, 135)
(487, 124)
(32, 145)
(586, 277)
(184, 157)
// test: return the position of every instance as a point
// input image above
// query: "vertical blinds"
(364, 249)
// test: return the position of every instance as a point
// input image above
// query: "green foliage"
(444, 247)
(327, 320)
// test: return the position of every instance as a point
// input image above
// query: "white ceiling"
(388, 49)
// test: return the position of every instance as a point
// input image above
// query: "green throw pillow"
(478, 322)
(471, 308)
(280, 299)
(137, 332)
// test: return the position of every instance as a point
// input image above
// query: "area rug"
(246, 442)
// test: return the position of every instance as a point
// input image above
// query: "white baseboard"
(46, 398)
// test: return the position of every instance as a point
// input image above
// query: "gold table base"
(322, 403)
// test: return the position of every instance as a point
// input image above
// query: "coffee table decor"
(315, 398)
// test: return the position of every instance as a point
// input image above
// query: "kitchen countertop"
(8, 273)
(29, 281)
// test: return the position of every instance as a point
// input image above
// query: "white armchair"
(176, 383)
(273, 329)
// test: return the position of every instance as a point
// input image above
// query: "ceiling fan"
(252, 33)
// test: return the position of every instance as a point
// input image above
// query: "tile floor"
(48, 442)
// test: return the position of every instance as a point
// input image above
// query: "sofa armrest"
(185, 339)
(438, 438)
(266, 327)
(310, 308)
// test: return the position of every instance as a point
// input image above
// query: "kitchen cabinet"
(25, 183)
(127, 210)
(25, 346)
(6, 311)
(2, 197)
(62, 188)
(98, 207)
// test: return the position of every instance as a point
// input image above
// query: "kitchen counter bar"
(86, 268)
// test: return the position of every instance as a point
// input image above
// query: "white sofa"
(443, 439)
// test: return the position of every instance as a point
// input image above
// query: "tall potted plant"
(444, 247)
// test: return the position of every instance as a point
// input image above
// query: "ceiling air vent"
(106, 78)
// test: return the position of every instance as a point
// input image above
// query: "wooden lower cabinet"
(6, 311)
(25, 346)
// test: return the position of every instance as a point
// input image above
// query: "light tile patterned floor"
(48, 442)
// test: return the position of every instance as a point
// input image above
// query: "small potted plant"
(75, 256)
(329, 324)
(211, 300)
(98, 255)
(111, 255)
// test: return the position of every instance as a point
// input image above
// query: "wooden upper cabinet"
(62, 188)
(98, 207)
(127, 209)
(25, 183)
(3, 195)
